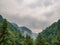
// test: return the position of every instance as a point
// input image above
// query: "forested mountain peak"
(12, 34)
(52, 34)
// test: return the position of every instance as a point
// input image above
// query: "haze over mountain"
(22, 29)
(34, 14)
(13, 26)
(19, 35)
(29, 22)
(51, 34)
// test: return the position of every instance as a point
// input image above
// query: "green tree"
(28, 40)
(58, 32)
(3, 32)
(40, 40)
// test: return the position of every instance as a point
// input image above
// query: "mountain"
(9, 35)
(52, 33)
(12, 34)
(25, 30)
(13, 26)
(51, 30)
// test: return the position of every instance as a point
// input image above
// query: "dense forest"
(9, 35)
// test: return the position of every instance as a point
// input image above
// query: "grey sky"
(35, 14)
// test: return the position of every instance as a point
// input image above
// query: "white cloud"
(8, 7)
(26, 2)
(36, 12)
(45, 12)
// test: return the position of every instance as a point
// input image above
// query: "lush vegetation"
(51, 35)
(9, 35)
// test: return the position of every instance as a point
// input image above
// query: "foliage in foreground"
(12, 36)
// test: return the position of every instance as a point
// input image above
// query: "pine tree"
(40, 40)
(3, 32)
(28, 40)
(58, 32)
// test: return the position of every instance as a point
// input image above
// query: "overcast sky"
(34, 14)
